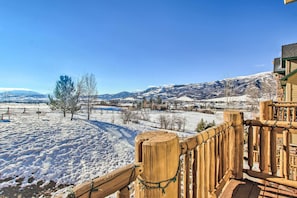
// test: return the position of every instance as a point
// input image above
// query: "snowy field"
(47, 147)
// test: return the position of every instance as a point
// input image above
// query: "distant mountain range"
(22, 96)
(198, 91)
(21, 93)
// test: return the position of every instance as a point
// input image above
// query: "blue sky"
(131, 45)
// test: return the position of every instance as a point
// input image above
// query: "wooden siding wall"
(294, 93)
(293, 65)
(288, 67)
(288, 92)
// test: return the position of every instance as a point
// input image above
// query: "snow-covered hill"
(22, 96)
(200, 91)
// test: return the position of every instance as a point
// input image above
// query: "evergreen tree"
(201, 125)
(63, 94)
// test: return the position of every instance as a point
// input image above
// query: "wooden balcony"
(213, 163)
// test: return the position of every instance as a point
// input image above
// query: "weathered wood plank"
(195, 173)
(264, 150)
(236, 189)
(123, 193)
(273, 162)
(186, 175)
(286, 154)
(273, 123)
(108, 184)
(207, 168)
(250, 147)
(201, 171)
(192, 142)
(271, 178)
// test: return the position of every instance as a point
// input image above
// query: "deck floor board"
(249, 189)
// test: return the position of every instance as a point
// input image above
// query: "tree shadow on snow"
(119, 131)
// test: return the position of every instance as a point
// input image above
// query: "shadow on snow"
(122, 132)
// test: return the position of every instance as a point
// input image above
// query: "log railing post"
(288, 114)
(212, 174)
(266, 113)
(159, 153)
(251, 147)
(186, 175)
(123, 193)
(201, 171)
(273, 152)
(286, 154)
(264, 157)
(236, 141)
(207, 168)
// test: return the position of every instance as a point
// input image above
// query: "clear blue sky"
(131, 45)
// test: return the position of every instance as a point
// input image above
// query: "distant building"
(285, 69)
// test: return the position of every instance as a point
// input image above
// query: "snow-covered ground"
(48, 147)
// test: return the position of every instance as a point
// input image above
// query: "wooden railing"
(207, 161)
(170, 167)
(277, 157)
(271, 154)
(283, 111)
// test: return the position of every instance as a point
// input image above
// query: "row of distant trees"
(69, 96)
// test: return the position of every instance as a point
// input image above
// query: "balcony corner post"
(159, 153)
(236, 142)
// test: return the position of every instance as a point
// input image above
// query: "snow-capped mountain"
(199, 91)
(22, 96)
(233, 87)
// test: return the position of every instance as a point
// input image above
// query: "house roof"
(289, 51)
(278, 67)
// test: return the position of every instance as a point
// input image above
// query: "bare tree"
(127, 116)
(172, 122)
(74, 100)
(164, 121)
(90, 92)
(181, 123)
(145, 115)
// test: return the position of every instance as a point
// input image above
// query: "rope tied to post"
(92, 189)
(158, 185)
